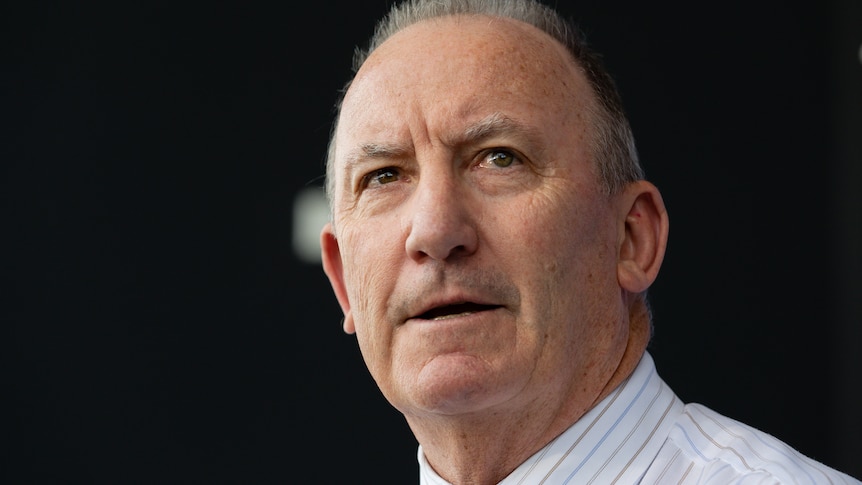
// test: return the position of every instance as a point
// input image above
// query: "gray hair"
(612, 143)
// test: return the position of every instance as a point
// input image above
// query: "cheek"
(549, 227)
(369, 277)
(565, 247)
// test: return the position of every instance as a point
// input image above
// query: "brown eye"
(382, 176)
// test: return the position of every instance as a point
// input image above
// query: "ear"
(331, 257)
(643, 237)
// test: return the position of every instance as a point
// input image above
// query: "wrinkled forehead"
(449, 71)
(473, 49)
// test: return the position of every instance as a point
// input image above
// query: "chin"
(455, 384)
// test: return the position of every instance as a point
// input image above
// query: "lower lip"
(455, 317)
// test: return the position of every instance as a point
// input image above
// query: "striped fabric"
(643, 433)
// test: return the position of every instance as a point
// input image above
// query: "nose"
(441, 224)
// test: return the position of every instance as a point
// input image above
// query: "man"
(491, 245)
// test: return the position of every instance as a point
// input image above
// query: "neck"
(485, 447)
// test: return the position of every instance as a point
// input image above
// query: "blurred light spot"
(310, 213)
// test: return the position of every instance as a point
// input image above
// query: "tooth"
(453, 315)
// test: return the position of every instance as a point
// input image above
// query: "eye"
(499, 159)
(381, 177)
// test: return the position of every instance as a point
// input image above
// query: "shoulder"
(709, 447)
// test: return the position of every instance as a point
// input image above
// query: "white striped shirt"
(643, 433)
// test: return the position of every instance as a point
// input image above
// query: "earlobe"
(330, 253)
(643, 236)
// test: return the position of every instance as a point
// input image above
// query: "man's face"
(472, 248)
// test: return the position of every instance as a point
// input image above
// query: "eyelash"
(489, 156)
(487, 159)
(375, 175)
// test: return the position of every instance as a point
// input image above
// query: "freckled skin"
(538, 240)
(459, 370)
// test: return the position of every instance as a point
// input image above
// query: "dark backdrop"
(160, 328)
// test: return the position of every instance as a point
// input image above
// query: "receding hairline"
(612, 143)
(496, 122)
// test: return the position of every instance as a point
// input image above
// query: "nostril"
(440, 224)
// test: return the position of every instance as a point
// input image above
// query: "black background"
(161, 330)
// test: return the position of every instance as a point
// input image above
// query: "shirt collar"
(616, 440)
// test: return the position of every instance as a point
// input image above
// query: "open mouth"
(456, 310)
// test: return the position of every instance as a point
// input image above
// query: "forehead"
(465, 41)
(448, 72)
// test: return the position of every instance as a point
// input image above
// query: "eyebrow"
(379, 150)
(372, 151)
(496, 124)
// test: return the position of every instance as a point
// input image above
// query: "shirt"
(643, 433)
